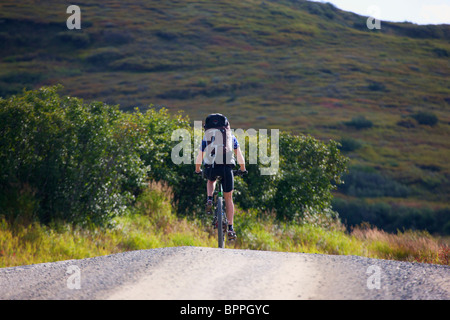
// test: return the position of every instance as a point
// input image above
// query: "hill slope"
(295, 65)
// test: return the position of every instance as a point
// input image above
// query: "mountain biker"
(224, 169)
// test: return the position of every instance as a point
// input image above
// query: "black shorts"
(224, 171)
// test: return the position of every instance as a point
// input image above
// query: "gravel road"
(191, 273)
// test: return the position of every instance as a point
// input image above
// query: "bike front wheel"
(220, 233)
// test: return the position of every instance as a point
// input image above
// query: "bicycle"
(220, 220)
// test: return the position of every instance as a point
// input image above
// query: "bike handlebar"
(236, 173)
(239, 173)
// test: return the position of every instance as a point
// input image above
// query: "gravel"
(206, 273)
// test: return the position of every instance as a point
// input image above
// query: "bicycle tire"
(220, 233)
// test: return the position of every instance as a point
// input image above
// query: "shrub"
(391, 217)
(441, 52)
(366, 182)
(78, 160)
(326, 10)
(376, 86)
(349, 144)
(25, 77)
(85, 163)
(78, 39)
(103, 56)
(359, 122)
(426, 118)
(166, 35)
(116, 38)
(309, 170)
(155, 202)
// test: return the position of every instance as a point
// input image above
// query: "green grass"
(144, 227)
(37, 244)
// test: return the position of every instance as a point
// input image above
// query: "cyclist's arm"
(198, 161)
(240, 158)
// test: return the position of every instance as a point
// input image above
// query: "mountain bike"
(220, 221)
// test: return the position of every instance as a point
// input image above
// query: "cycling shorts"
(224, 171)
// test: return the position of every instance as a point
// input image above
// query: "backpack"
(219, 140)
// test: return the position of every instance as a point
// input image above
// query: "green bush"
(367, 182)
(80, 39)
(376, 86)
(426, 118)
(25, 77)
(359, 122)
(78, 160)
(391, 217)
(441, 52)
(188, 189)
(103, 56)
(349, 144)
(309, 170)
(85, 163)
(326, 10)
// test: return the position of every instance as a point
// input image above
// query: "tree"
(76, 161)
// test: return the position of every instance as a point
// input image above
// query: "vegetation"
(359, 122)
(392, 217)
(426, 118)
(303, 66)
(306, 67)
(57, 200)
(348, 144)
(65, 160)
(152, 223)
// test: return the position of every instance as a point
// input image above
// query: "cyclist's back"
(217, 153)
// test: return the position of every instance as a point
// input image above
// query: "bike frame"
(221, 215)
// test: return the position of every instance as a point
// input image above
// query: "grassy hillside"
(294, 65)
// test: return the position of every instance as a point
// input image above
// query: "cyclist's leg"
(210, 180)
(229, 206)
(231, 233)
(228, 186)
(210, 186)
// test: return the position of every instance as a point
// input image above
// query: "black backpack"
(216, 124)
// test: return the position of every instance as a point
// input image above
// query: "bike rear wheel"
(220, 233)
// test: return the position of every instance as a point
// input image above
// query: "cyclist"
(224, 170)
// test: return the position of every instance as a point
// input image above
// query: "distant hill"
(302, 66)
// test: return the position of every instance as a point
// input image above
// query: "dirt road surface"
(193, 273)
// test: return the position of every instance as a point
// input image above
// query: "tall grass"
(152, 223)
(415, 246)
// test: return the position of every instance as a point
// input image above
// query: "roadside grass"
(416, 246)
(265, 64)
(152, 223)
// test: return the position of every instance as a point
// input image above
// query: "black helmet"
(216, 120)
